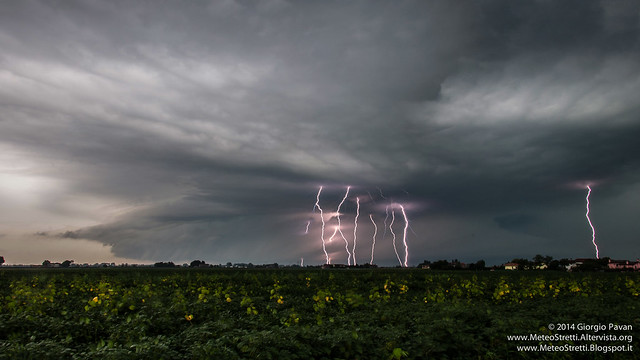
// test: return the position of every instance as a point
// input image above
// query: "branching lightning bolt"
(391, 206)
(338, 229)
(593, 230)
(393, 219)
(335, 231)
(355, 229)
(375, 232)
(322, 219)
(404, 236)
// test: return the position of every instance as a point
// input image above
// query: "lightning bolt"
(404, 236)
(393, 206)
(322, 219)
(393, 219)
(338, 229)
(375, 232)
(335, 231)
(371, 197)
(593, 230)
(386, 211)
(355, 228)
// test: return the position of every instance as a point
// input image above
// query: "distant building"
(577, 262)
(511, 266)
(624, 265)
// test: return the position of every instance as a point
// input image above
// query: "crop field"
(312, 314)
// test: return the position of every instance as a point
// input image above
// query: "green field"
(309, 314)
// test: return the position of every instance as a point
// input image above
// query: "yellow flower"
(228, 299)
(188, 317)
(280, 301)
(95, 299)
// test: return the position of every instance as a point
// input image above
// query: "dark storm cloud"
(514, 221)
(209, 126)
(527, 166)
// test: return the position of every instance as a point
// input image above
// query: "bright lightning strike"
(335, 231)
(322, 219)
(375, 232)
(391, 207)
(404, 236)
(346, 243)
(355, 229)
(338, 229)
(393, 219)
(593, 230)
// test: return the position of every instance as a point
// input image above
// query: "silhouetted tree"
(1, 260)
(66, 263)
(441, 265)
(46, 263)
(540, 260)
(169, 264)
(479, 265)
(197, 263)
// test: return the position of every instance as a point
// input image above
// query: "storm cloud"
(175, 131)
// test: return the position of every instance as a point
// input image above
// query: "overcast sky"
(172, 131)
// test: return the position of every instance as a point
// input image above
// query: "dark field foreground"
(316, 314)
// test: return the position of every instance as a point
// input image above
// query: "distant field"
(311, 314)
